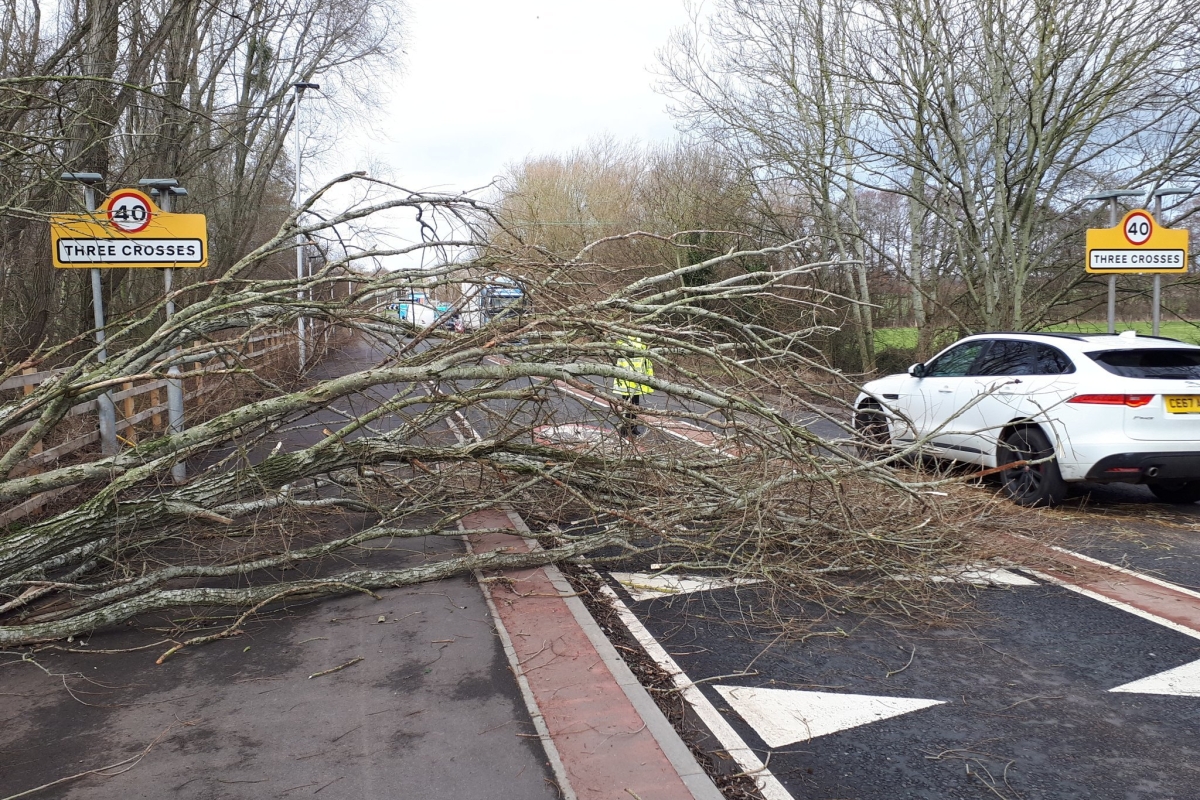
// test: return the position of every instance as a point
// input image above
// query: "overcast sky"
(490, 82)
(486, 83)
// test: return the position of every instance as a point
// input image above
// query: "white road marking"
(604, 402)
(575, 433)
(786, 716)
(983, 576)
(644, 586)
(976, 575)
(747, 759)
(1183, 681)
(670, 429)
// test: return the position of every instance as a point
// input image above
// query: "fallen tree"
(441, 425)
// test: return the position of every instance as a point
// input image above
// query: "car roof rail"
(1148, 336)
(1054, 335)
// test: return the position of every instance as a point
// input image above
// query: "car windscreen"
(1173, 363)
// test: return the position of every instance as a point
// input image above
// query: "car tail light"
(1131, 400)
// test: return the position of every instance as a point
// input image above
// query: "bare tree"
(754, 491)
(201, 92)
(992, 120)
(764, 82)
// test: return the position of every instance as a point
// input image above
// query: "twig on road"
(338, 668)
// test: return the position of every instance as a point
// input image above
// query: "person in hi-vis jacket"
(632, 391)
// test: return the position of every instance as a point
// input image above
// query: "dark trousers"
(629, 427)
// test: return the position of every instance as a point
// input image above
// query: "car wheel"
(1037, 484)
(1177, 491)
(872, 428)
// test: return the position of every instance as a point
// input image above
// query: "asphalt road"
(1017, 700)
(1033, 694)
(410, 695)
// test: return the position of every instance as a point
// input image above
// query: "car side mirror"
(917, 370)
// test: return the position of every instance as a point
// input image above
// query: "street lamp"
(299, 88)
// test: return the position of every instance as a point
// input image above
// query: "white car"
(1058, 407)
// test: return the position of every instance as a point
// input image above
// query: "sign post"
(1112, 196)
(131, 231)
(106, 410)
(1136, 245)
(1159, 194)
(165, 189)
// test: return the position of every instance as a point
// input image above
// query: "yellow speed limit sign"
(129, 230)
(1137, 245)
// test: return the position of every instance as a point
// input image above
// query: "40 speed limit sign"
(1137, 245)
(129, 230)
(130, 211)
(1138, 226)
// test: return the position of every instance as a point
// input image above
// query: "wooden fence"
(126, 401)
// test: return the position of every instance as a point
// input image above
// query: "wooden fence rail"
(124, 399)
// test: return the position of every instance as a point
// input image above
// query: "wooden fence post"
(156, 417)
(127, 407)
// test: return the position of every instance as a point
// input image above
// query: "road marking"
(684, 431)
(573, 433)
(1183, 681)
(680, 429)
(648, 586)
(981, 575)
(644, 586)
(976, 575)
(787, 716)
(734, 745)
(1153, 599)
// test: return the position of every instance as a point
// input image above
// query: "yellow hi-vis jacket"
(639, 364)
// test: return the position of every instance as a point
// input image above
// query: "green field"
(906, 338)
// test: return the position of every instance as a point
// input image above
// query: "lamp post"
(106, 409)
(1111, 196)
(164, 189)
(299, 88)
(1159, 194)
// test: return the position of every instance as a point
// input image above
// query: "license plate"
(1182, 404)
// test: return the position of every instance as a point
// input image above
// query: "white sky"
(492, 81)
(487, 83)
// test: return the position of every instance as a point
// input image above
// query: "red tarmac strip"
(606, 747)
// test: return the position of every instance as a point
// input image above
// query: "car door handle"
(946, 390)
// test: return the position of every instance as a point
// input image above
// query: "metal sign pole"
(174, 389)
(106, 409)
(1159, 194)
(1156, 302)
(1111, 196)
(1112, 279)
(174, 384)
(166, 188)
